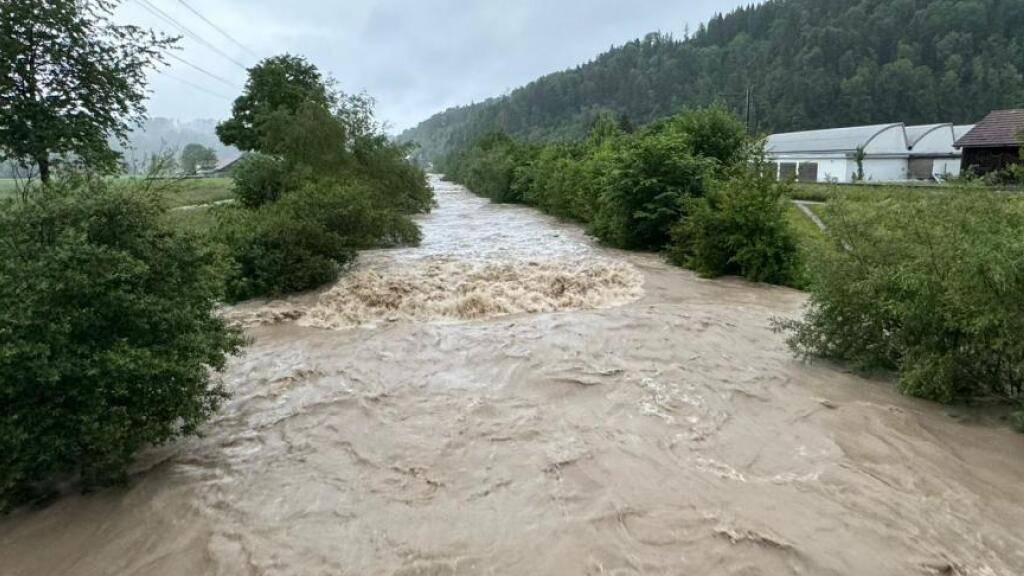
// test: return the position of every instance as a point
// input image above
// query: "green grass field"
(8, 187)
(183, 192)
(200, 219)
(199, 191)
(823, 192)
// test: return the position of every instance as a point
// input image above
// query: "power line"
(202, 70)
(217, 28)
(194, 85)
(146, 4)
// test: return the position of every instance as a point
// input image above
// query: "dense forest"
(807, 64)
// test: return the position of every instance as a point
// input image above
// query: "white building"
(891, 153)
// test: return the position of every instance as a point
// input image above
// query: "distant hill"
(159, 135)
(808, 63)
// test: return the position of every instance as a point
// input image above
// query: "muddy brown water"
(511, 399)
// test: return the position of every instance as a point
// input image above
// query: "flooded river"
(509, 398)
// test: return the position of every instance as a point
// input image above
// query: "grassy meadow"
(176, 192)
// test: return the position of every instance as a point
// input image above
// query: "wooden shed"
(994, 143)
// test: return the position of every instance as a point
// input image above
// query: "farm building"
(932, 153)
(226, 167)
(994, 143)
(891, 153)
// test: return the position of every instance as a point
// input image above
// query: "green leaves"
(630, 188)
(323, 183)
(281, 83)
(927, 284)
(195, 157)
(739, 228)
(72, 80)
(109, 334)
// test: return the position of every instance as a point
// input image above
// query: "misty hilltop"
(168, 135)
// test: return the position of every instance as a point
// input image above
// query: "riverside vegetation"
(321, 181)
(110, 336)
(691, 184)
(924, 283)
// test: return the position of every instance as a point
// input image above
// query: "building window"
(808, 172)
(787, 171)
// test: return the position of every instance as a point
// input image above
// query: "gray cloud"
(415, 57)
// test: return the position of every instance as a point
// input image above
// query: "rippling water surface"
(509, 398)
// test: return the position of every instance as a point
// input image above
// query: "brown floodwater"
(510, 398)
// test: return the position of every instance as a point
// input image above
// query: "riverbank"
(671, 432)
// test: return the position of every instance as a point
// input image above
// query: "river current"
(510, 398)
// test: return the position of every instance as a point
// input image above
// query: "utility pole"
(749, 95)
(750, 100)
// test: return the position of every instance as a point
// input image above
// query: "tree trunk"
(44, 169)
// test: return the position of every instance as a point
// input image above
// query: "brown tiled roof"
(1000, 128)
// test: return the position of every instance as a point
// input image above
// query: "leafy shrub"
(927, 284)
(644, 194)
(275, 253)
(305, 239)
(401, 184)
(1017, 418)
(354, 212)
(740, 227)
(259, 179)
(108, 333)
(566, 179)
(488, 166)
(629, 187)
(713, 133)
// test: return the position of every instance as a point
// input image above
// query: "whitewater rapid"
(510, 398)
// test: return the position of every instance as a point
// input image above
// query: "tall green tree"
(195, 157)
(280, 84)
(69, 80)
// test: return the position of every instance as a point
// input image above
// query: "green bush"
(402, 185)
(566, 179)
(354, 212)
(927, 284)
(329, 183)
(306, 238)
(260, 179)
(108, 334)
(275, 254)
(629, 187)
(644, 194)
(1017, 418)
(740, 228)
(713, 133)
(487, 167)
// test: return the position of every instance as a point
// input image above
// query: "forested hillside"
(808, 63)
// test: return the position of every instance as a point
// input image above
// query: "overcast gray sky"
(415, 57)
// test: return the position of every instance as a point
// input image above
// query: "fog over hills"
(160, 135)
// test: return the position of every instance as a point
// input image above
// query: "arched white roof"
(915, 134)
(961, 131)
(844, 140)
(931, 140)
